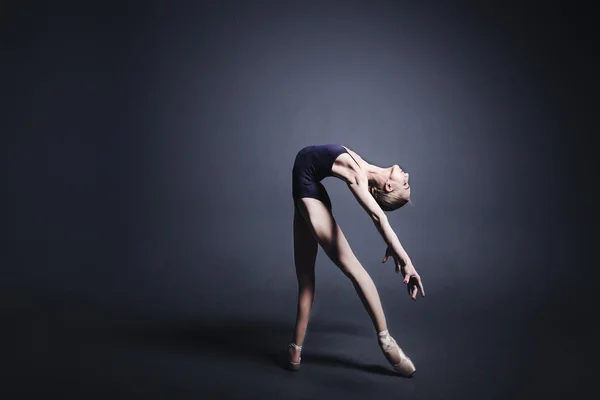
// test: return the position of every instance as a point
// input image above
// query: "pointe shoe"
(294, 366)
(394, 354)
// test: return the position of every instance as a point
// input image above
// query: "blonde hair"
(388, 201)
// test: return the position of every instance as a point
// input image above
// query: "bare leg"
(329, 235)
(334, 243)
(305, 254)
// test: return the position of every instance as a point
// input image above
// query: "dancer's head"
(394, 191)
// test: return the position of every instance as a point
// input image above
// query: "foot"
(294, 356)
(394, 354)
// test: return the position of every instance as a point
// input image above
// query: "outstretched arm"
(360, 189)
(390, 237)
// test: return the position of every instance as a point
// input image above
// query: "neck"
(377, 176)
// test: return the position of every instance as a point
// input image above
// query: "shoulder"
(357, 161)
(349, 167)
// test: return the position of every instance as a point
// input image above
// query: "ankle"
(295, 346)
(383, 335)
(386, 341)
(294, 352)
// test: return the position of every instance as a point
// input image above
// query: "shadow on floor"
(261, 341)
(337, 361)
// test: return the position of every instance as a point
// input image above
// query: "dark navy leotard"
(312, 165)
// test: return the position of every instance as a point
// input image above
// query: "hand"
(412, 279)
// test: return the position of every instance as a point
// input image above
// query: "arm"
(360, 189)
(390, 237)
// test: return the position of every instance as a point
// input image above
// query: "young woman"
(377, 190)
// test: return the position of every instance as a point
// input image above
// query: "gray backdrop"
(151, 213)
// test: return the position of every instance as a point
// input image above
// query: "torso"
(314, 163)
(347, 165)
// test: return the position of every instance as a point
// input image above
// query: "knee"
(353, 270)
(348, 270)
(306, 281)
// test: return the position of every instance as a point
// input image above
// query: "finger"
(384, 259)
(421, 287)
(415, 290)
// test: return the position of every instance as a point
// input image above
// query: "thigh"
(314, 190)
(305, 248)
(327, 233)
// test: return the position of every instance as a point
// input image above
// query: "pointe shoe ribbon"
(295, 365)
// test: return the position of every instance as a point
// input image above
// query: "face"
(399, 180)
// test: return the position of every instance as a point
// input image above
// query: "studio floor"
(85, 352)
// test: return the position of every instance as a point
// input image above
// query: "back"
(313, 163)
